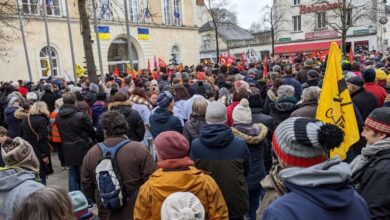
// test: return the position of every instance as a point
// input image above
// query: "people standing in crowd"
(317, 187)
(182, 205)
(275, 83)
(54, 135)
(13, 124)
(48, 97)
(288, 79)
(90, 97)
(177, 173)
(199, 91)
(18, 177)
(308, 107)
(284, 105)
(163, 119)
(254, 135)
(371, 169)
(77, 136)
(198, 120)
(371, 87)
(302, 74)
(226, 157)
(3, 137)
(313, 79)
(133, 163)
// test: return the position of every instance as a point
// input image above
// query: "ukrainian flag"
(143, 34)
(104, 32)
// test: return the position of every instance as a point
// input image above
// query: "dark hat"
(164, 99)
(379, 65)
(379, 120)
(369, 75)
(171, 145)
(347, 66)
(101, 96)
(357, 81)
(313, 74)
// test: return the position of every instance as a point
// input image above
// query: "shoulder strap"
(29, 124)
(111, 150)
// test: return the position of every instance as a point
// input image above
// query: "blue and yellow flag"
(104, 32)
(143, 34)
(335, 104)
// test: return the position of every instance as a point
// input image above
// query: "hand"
(45, 160)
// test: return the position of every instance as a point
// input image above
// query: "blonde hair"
(39, 108)
(199, 107)
(49, 203)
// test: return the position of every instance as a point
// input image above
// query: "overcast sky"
(248, 10)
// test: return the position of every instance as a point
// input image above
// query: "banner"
(143, 34)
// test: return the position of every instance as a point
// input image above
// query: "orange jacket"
(54, 135)
(163, 183)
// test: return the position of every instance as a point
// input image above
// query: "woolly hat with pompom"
(242, 113)
(304, 142)
(182, 206)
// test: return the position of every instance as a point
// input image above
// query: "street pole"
(71, 41)
(24, 41)
(128, 35)
(47, 37)
(97, 41)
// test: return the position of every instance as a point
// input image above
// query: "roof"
(228, 31)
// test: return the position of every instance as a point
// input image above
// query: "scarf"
(175, 163)
(277, 181)
(136, 99)
(361, 161)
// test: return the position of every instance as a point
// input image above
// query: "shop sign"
(361, 32)
(321, 34)
(306, 9)
(285, 39)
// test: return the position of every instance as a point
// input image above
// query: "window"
(349, 17)
(35, 7)
(175, 53)
(53, 8)
(177, 12)
(133, 9)
(30, 7)
(167, 12)
(104, 10)
(321, 20)
(206, 43)
(45, 64)
(297, 2)
(297, 23)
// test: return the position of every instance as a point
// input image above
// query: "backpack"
(109, 182)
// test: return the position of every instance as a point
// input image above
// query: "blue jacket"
(289, 80)
(162, 120)
(12, 122)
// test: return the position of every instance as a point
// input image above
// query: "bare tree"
(257, 27)
(9, 26)
(274, 19)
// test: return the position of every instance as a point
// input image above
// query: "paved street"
(60, 176)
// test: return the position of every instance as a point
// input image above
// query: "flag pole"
(130, 52)
(24, 40)
(98, 41)
(71, 41)
(47, 37)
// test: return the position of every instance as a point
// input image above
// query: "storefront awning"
(304, 47)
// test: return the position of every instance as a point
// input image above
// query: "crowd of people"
(222, 142)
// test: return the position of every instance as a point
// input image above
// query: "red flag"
(222, 60)
(265, 67)
(230, 59)
(180, 67)
(161, 63)
(155, 62)
(116, 72)
(149, 65)
(314, 54)
(350, 55)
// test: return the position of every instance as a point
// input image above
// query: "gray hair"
(274, 75)
(286, 91)
(277, 68)
(311, 93)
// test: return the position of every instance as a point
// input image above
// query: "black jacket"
(281, 109)
(76, 132)
(192, 127)
(162, 120)
(136, 130)
(49, 98)
(90, 98)
(365, 102)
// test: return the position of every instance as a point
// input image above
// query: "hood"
(216, 135)
(161, 115)
(118, 104)
(263, 130)
(286, 104)
(20, 114)
(271, 95)
(123, 107)
(11, 178)
(67, 111)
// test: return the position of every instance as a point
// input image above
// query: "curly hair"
(114, 124)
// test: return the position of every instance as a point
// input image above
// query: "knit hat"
(357, 81)
(380, 75)
(346, 66)
(242, 113)
(164, 99)
(216, 113)
(182, 206)
(31, 96)
(79, 201)
(308, 63)
(369, 75)
(18, 152)
(93, 88)
(379, 120)
(171, 145)
(101, 96)
(304, 142)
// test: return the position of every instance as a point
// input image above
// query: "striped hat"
(304, 142)
(379, 120)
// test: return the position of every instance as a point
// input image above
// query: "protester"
(13, 124)
(240, 93)
(199, 91)
(371, 87)
(18, 177)
(3, 137)
(371, 169)
(182, 205)
(308, 107)
(284, 105)
(313, 79)
(54, 135)
(177, 173)
(98, 108)
(90, 97)
(133, 163)
(48, 97)
(288, 79)
(226, 157)
(198, 120)
(318, 187)
(302, 75)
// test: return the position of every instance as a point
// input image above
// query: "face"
(153, 99)
(3, 138)
(371, 136)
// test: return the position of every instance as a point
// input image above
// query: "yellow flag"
(335, 104)
(79, 71)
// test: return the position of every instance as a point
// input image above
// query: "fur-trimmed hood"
(271, 95)
(116, 104)
(263, 130)
(20, 114)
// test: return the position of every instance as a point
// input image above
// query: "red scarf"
(175, 163)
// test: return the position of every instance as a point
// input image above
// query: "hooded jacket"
(282, 108)
(12, 122)
(162, 183)
(98, 108)
(15, 186)
(162, 120)
(227, 158)
(320, 192)
(192, 127)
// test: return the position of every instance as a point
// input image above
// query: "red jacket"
(379, 92)
(229, 113)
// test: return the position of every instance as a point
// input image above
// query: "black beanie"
(355, 80)
(369, 75)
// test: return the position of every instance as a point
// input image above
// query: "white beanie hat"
(182, 206)
(31, 96)
(242, 113)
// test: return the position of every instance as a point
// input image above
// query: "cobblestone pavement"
(60, 176)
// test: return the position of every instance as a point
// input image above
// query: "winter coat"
(13, 124)
(90, 98)
(365, 102)
(136, 130)
(162, 183)
(271, 98)
(162, 120)
(302, 75)
(135, 165)
(227, 158)
(15, 186)
(270, 195)
(282, 109)
(256, 147)
(320, 192)
(192, 127)
(98, 108)
(311, 82)
(379, 92)
(307, 109)
(49, 98)
(76, 132)
(289, 80)
(229, 113)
